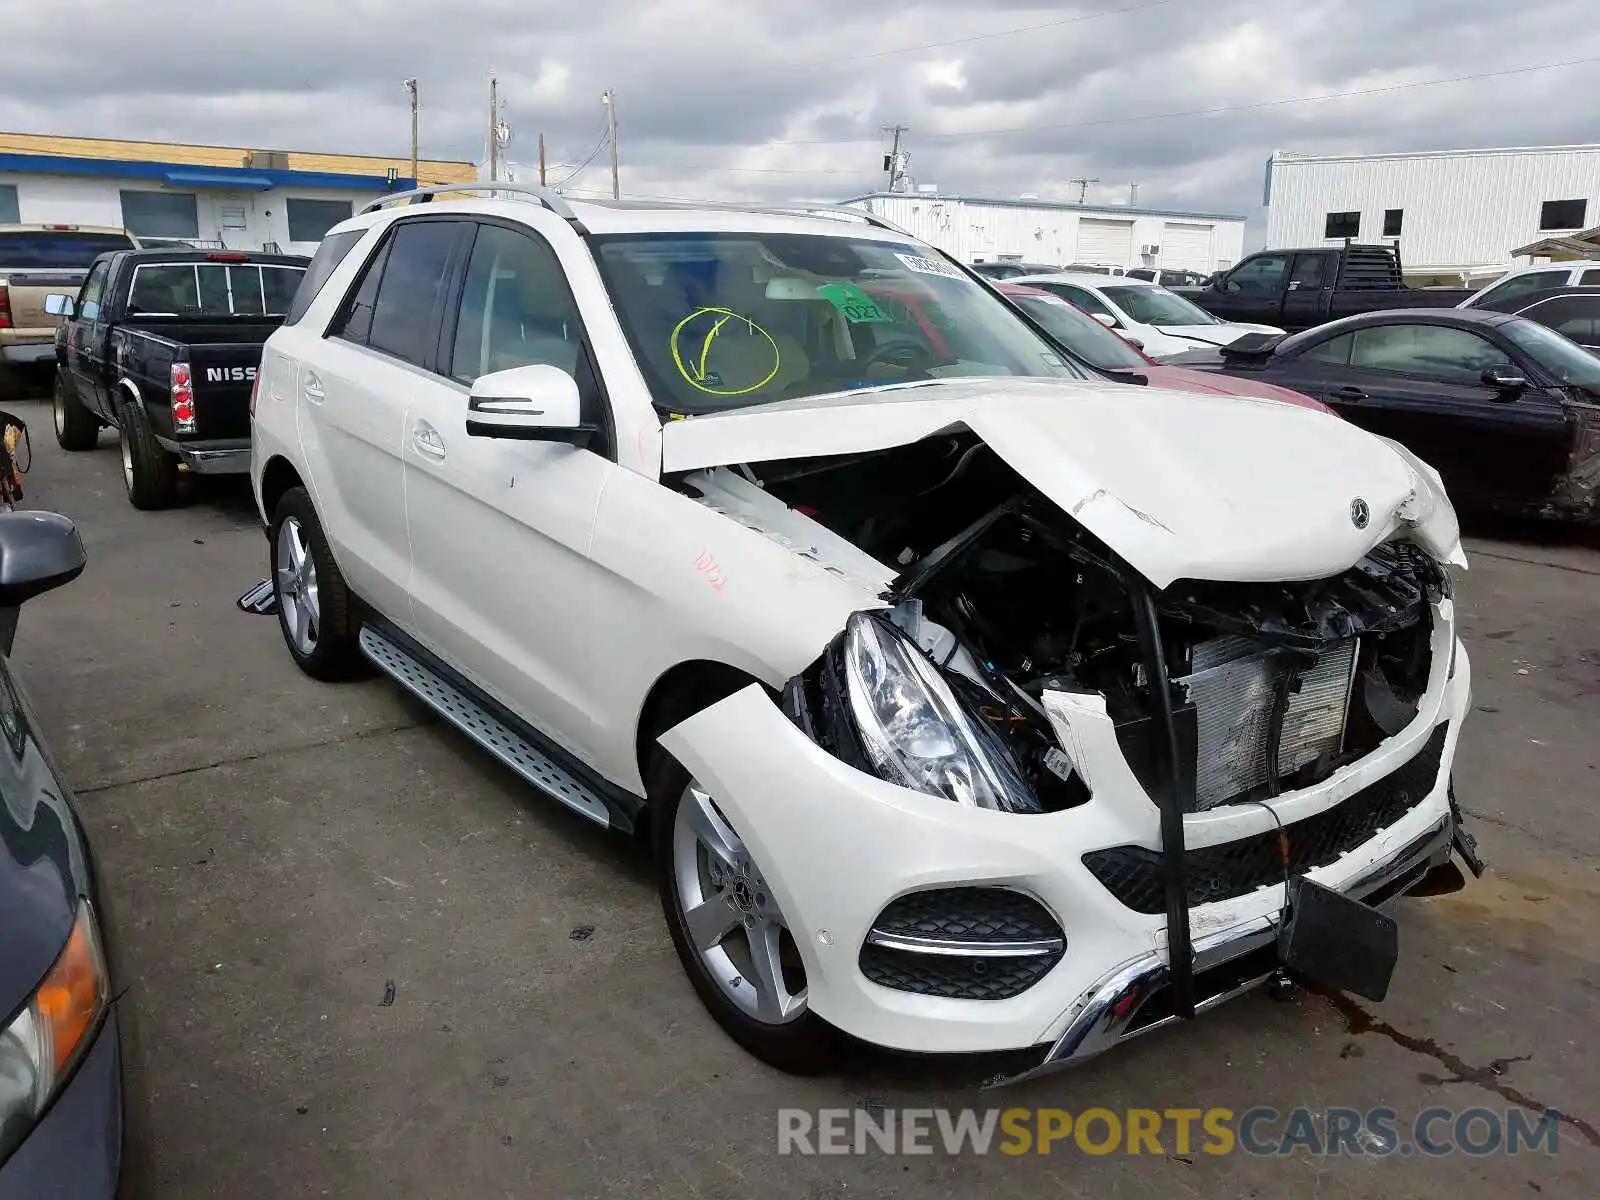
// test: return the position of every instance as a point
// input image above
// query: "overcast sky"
(776, 99)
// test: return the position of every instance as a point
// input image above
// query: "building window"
(1342, 225)
(310, 220)
(1392, 217)
(10, 214)
(1562, 214)
(160, 214)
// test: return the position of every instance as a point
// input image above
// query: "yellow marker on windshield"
(698, 375)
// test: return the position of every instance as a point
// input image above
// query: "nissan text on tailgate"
(36, 260)
(163, 346)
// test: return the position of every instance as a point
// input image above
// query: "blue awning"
(233, 180)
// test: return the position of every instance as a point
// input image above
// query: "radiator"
(1231, 690)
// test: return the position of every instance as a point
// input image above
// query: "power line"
(584, 164)
(1205, 112)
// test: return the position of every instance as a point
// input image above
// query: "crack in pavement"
(296, 748)
(1358, 1020)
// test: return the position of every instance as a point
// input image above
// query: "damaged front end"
(1002, 612)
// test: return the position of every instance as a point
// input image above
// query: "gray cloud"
(777, 100)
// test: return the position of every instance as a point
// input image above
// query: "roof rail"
(520, 191)
(844, 210)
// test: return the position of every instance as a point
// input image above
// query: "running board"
(483, 727)
(261, 599)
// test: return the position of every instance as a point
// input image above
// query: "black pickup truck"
(163, 346)
(1299, 289)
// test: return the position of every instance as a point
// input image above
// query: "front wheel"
(315, 608)
(731, 936)
(76, 427)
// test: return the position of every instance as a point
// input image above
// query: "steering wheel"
(907, 356)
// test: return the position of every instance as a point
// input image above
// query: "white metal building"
(1458, 214)
(982, 229)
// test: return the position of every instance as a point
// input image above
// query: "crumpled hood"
(1182, 485)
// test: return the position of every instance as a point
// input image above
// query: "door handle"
(312, 387)
(427, 441)
(1349, 392)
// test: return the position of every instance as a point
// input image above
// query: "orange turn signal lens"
(73, 995)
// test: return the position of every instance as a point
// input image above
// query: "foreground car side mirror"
(58, 304)
(536, 403)
(1105, 319)
(1506, 379)
(38, 551)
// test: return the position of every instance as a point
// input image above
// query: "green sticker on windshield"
(856, 306)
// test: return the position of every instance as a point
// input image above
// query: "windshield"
(196, 289)
(1082, 334)
(1157, 306)
(1566, 361)
(727, 320)
(54, 248)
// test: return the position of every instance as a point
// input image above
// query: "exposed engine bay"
(1272, 686)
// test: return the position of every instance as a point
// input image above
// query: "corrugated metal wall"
(1461, 210)
(973, 230)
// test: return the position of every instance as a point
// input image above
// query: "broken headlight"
(914, 731)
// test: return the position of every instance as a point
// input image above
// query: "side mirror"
(1505, 379)
(1105, 319)
(58, 304)
(528, 404)
(38, 551)
(1136, 343)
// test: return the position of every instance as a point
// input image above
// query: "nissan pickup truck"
(36, 260)
(1298, 289)
(163, 346)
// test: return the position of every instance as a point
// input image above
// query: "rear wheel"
(731, 936)
(76, 427)
(315, 609)
(148, 472)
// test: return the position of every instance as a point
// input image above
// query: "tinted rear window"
(323, 264)
(209, 289)
(55, 248)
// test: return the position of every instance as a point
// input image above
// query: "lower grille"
(1133, 873)
(1232, 688)
(962, 943)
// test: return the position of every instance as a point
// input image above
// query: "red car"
(1110, 352)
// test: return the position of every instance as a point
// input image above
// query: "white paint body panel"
(565, 585)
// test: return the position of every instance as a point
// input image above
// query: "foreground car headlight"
(915, 731)
(41, 1045)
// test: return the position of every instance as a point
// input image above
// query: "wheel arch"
(277, 477)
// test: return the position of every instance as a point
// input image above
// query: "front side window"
(1262, 275)
(1431, 351)
(408, 295)
(516, 309)
(727, 320)
(160, 214)
(1522, 285)
(1157, 306)
(93, 288)
(1563, 360)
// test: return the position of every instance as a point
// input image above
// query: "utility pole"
(893, 162)
(1083, 188)
(494, 128)
(609, 99)
(411, 86)
(541, 160)
(1133, 193)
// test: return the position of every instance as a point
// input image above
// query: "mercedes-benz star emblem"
(1360, 514)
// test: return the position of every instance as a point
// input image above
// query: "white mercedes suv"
(971, 702)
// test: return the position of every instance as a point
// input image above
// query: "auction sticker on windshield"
(853, 304)
(928, 266)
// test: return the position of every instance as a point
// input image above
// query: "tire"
(148, 472)
(325, 646)
(802, 1044)
(76, 427)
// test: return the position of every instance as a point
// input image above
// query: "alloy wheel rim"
(731, 917)
(60, 407)
(127, 461)
(299, 604)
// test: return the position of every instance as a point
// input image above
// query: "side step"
(261, 599)
(466, 714)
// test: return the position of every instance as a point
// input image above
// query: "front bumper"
(76, 1148)
(837, 846)
(222, 456)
